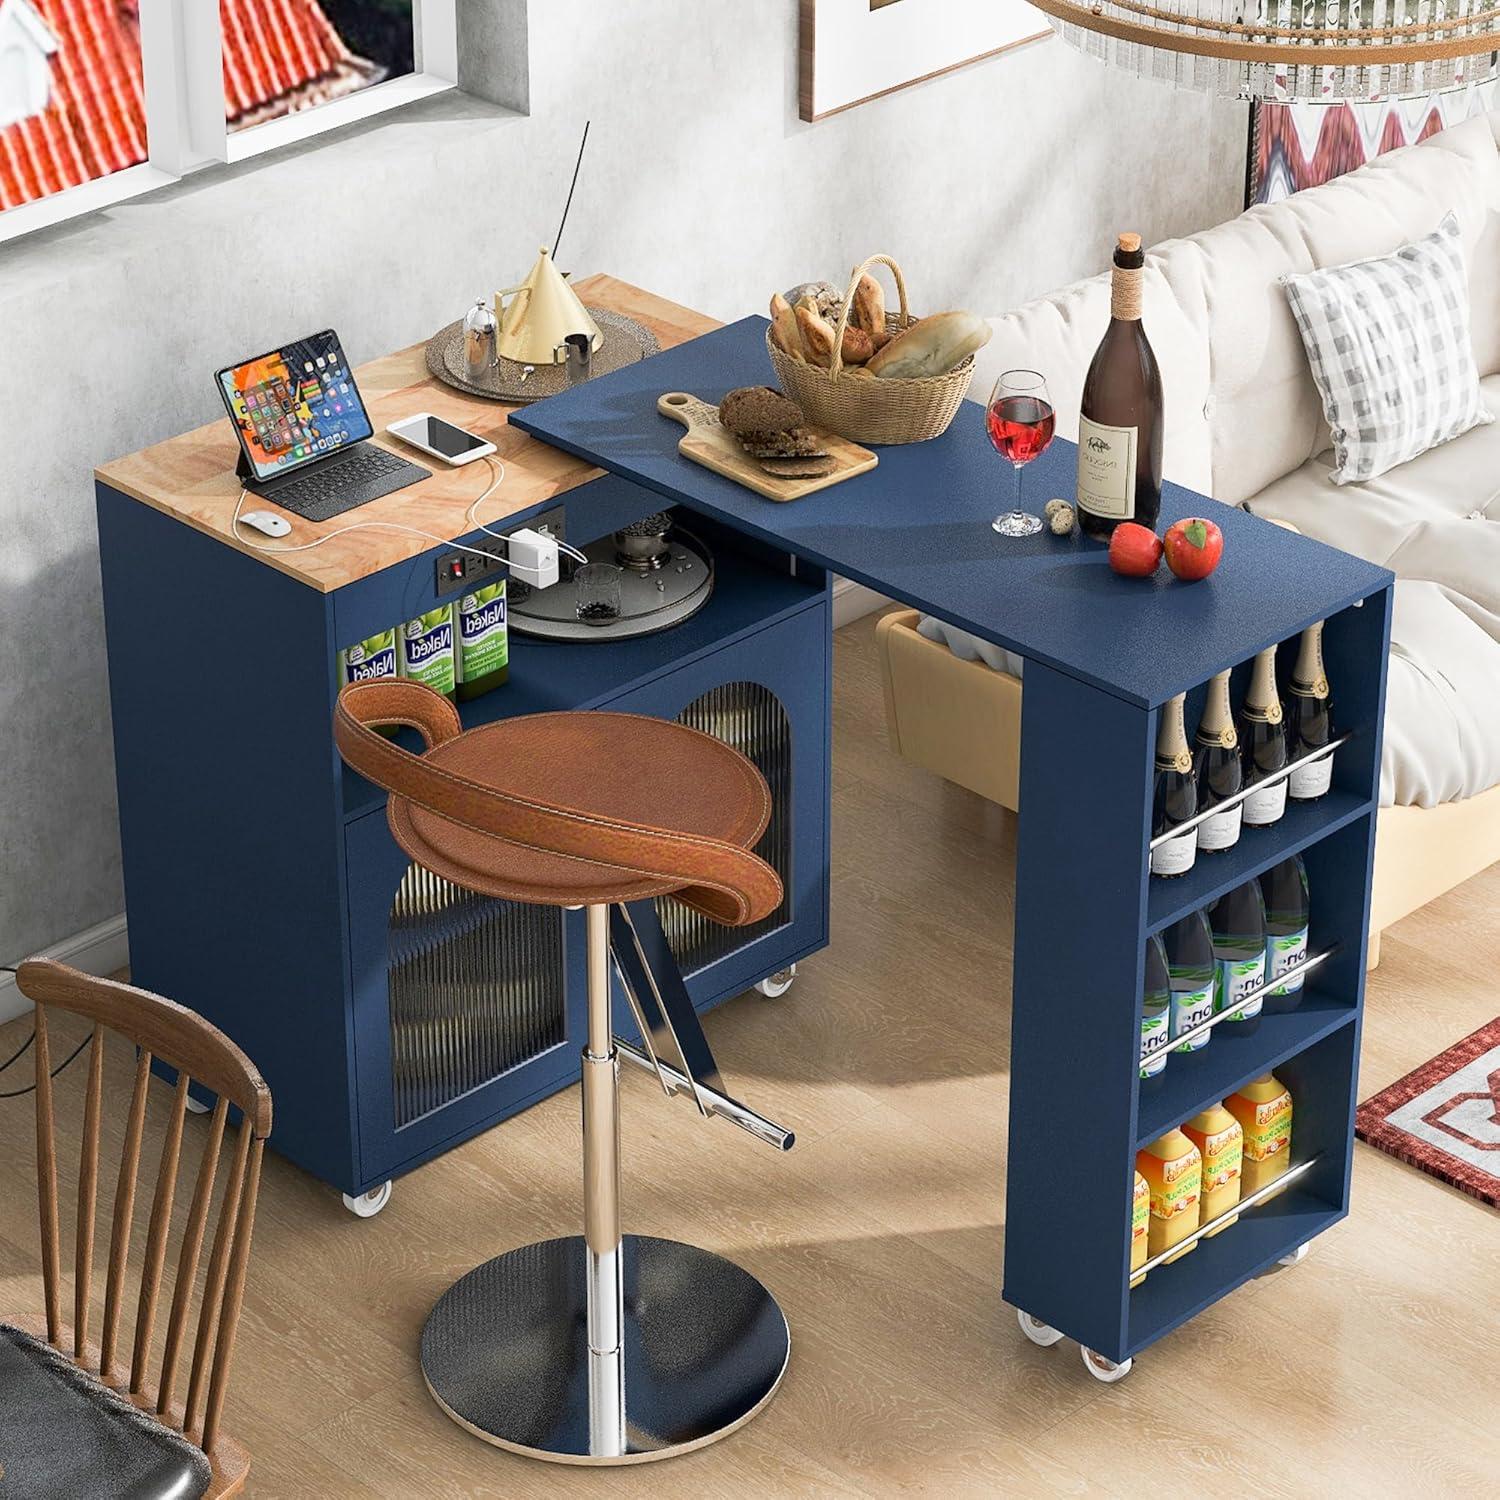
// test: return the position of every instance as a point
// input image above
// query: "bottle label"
(1176, 1190)
(483, 637)
(427, 649)
(1312, 779)
(1176, 856)
(1266, 803)
(1222, 1152)
(365, 660)
(1140, 1215)
(1221, 830)
(1270, 1129)
(1155, 1035)
(1106, 469)
(1282, 953)
(1191, 1008)
(1237, 976)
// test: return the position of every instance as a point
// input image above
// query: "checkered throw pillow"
(1388, 342)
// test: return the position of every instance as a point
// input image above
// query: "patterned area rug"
(1444, 1118)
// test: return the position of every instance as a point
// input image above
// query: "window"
(102, 99)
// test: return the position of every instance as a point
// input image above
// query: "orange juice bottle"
(1140, 1223)
(1173, 1170)
(1220, 1141)
(1264, 1109)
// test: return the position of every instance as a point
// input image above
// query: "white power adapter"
(532, 556)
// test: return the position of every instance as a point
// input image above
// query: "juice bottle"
(1264, 1109)
(427, 654)
(1156, 1014)
(376, 657)
(1173, 1171)
(1140, 1224)
(483, 641)
(1220, 1141)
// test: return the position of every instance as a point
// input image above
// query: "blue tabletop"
(917, 528)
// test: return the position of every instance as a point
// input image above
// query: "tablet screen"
(295, 405)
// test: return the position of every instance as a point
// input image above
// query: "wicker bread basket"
(868, 408)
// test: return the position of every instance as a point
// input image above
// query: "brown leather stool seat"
(577, 1349)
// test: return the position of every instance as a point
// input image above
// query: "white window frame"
(182, 62)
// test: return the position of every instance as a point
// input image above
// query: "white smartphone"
(440, 439)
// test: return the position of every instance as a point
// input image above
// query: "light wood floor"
(1370, 1367)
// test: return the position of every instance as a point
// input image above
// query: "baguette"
(784, 327)
(817, 336)
(931, 346)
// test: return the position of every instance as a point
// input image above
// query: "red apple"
(1194, 547)
(1134, 550)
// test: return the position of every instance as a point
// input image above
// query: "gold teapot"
(542, 312)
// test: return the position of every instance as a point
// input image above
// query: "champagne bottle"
(1120, 421)
(1309, 720)
(1156, 1014)
(1192, 970)
(1238, 922)
(1217, 768)
(1175, 797)
(1263, 743)
(1284, 890)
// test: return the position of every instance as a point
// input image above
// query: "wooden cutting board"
(708, 443)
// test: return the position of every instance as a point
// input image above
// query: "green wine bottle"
(1156, 1014)
(1284, 889)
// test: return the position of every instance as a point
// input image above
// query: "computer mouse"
(263, 521)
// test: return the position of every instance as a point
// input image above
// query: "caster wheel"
(367, 1205)
(1102, 1369)
(1040, 1333)
(773, 986)
(196, 1106)
(1297, 1256)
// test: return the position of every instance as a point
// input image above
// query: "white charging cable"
(497, 477)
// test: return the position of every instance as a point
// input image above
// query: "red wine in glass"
(1020, 420)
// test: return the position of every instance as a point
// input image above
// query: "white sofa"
(1244, 424)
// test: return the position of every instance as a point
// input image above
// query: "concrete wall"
(989, 186)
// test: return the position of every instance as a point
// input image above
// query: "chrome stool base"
(506, 1353)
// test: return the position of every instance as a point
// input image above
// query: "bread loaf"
(784, 327)
(931, 346)
(867, 311)
(817, 336)
(857, 347)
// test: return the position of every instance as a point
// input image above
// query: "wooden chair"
(183, 1040)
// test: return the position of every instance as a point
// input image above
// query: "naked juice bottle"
(1173, 1170)
(1220, 1141)
(1264, 1109)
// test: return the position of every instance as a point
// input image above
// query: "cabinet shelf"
(1173, 897)
(1192, 1081)
(1173, 1293)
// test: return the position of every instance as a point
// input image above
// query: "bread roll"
(784, 327)
(817, 336)
(931, 346)
(868, 309)
(857, 347)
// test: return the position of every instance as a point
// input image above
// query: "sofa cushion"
(1387, 340)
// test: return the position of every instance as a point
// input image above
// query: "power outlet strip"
(462, 568)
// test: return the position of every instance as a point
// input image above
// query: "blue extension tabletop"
(917, 528)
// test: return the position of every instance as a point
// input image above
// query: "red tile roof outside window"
(279, 56)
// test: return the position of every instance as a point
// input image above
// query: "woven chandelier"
(1313, 51)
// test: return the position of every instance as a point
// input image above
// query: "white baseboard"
(102, 949)
(851, 601)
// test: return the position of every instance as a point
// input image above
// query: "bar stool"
(601, 1348)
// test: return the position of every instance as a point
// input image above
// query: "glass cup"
(597, 593)
(1020, 422)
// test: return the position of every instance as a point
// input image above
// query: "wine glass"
(1020, 421)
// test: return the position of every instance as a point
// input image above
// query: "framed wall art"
(852, 51)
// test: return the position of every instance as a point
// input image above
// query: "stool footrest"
(716, 1103)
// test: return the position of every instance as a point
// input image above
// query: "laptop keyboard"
(367, 473)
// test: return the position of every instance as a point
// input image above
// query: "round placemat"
(623, 341)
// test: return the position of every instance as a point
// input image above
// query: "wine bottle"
(1192, 970)
(1284, 890)
(1238, 922)
(1175, 797)
(1156, 1014)
(1263, 743)
(1217, 769)
(1120, 421)
(1309, 719)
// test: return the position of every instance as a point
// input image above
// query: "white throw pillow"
(1388, 342)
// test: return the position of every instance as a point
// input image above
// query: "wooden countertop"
(192, 477)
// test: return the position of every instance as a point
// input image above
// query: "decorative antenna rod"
(566, 206)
